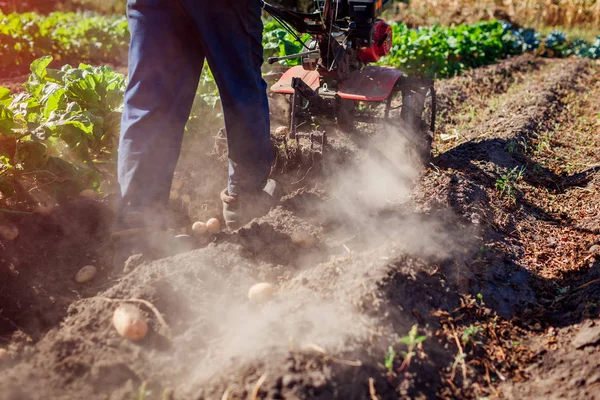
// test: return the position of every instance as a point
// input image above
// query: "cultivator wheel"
(409, 110)
(412, 109)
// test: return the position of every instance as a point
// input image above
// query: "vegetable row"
(433, 51)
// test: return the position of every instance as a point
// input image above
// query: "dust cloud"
(369, 202)
(374, 196)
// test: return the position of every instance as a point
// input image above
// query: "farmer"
(170, 41)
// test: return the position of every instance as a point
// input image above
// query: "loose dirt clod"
(303, 239)
(9, 232)
(86, 274)
(130, 323)
(89, 194)
(133, 262)
(261, 292)
(44, 209)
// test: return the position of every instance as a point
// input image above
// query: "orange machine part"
(382, 43)
(284, 84)
(368, 84)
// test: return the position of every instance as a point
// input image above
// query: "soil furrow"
(561, 246)
(477, 255)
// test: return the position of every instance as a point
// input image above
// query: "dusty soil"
(491, 253)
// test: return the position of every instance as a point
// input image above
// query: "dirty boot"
(239, 210)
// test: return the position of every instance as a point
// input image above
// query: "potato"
(303, 239)
(86, 274)
(213, 225)
(282, 131)
(9, 232)
(261, 292)
(130, 323)
(44, 209)
(89, 194)
(199, 228)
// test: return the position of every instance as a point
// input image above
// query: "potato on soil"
(213, 225)
(9, 232)
(130, 323)
(44, 209)
(86, 274)
(303, 239)
(199, 228)
(89, 194)
(261, 292)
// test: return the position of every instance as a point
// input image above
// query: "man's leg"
(231, 36)
(165, 62)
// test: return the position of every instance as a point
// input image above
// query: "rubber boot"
(239, 210)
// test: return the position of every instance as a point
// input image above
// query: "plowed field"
(492, 252)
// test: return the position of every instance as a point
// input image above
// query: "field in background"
(581, 17)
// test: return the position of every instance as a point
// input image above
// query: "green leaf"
(55, 76)
(39, 67)
(59, 120)
(54, 99)
(389, 359)
(7, 122)
(39, 132)
(4, 93)
(406, 340)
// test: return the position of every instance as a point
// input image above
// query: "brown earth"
(491, 253)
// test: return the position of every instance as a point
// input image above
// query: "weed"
(411, 341)
(515, 146)
(143, 393)
(469, 301)
(543, 143)
(511, 146)
(389, 359)
(506, 184)
(563, 290)
(470, 332)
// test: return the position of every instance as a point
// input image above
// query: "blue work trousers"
(170, 40)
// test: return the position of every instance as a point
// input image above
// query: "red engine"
(381, 44)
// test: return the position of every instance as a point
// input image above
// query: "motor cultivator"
(334, 80)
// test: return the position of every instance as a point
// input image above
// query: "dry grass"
(535, 13)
